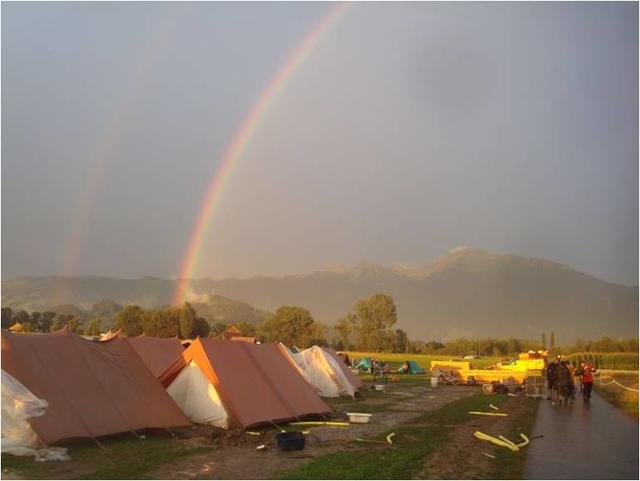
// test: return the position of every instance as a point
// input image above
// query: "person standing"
(572, 370)
(563, 383)
(587, 379)
(552, 375)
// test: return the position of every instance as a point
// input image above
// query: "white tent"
(323, 372)
(198, 398)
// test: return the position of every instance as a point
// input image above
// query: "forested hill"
(465, 293)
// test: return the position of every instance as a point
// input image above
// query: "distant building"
(232, 333)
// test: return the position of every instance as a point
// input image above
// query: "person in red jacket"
(586, 376)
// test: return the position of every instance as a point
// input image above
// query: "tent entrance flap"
(198, 398)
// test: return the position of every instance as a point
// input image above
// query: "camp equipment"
(361, 418)
(290, 441)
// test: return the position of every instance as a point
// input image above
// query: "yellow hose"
(480, 413)
(499, 442)
(320, 423)
(510, 443)
(523, 443)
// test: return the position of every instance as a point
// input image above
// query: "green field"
(614, 393)
(424, 360)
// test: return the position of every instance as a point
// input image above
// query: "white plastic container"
(361, 418)
(379, 387)
(434, 382)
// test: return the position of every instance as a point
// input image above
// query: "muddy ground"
(236, 456)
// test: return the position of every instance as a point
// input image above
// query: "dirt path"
(584, 441)
(402, 403)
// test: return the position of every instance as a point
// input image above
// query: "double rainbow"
(240, 142)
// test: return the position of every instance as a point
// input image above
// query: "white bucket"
(434, 382)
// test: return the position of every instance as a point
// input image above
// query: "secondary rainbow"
(240, 142)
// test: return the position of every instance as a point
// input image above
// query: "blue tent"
(413, 368)
(364, 364)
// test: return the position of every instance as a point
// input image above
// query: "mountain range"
(466, 293)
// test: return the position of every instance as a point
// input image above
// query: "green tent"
(413, 368)
(364, 364)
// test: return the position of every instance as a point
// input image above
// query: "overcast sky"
(411, 129)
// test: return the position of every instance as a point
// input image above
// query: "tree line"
(369, 327)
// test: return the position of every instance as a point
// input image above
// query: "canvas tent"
(157, 353)
(355, 381)
(324, 372)
(93, 388)
(237, 383)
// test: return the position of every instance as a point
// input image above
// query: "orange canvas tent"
(157, 353)
(93, 388)
(252, 384)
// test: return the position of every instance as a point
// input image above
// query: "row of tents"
(120, 384)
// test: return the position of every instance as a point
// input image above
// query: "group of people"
(560, 380)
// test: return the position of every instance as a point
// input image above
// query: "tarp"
(18, 405)
(324, 371)
(256, 383)
(93, 388)
(157, 353)
(18, 438)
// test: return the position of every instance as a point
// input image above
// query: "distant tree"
(552, 341)
(247, 329)
(374, 317)
(7, 317)
(344, 328)
(129, 320)
(21, 317)
(202, 327)
(168, 322)
(218, 328)
(106, 309)
(92, 328)
(46, 321)
(401, 341)
(74, 325)
(187, 317)
(289, 325)
(56, 325)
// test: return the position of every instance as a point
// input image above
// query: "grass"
(626, 400)
(413, 443)
(122, 458)
(423, 360)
